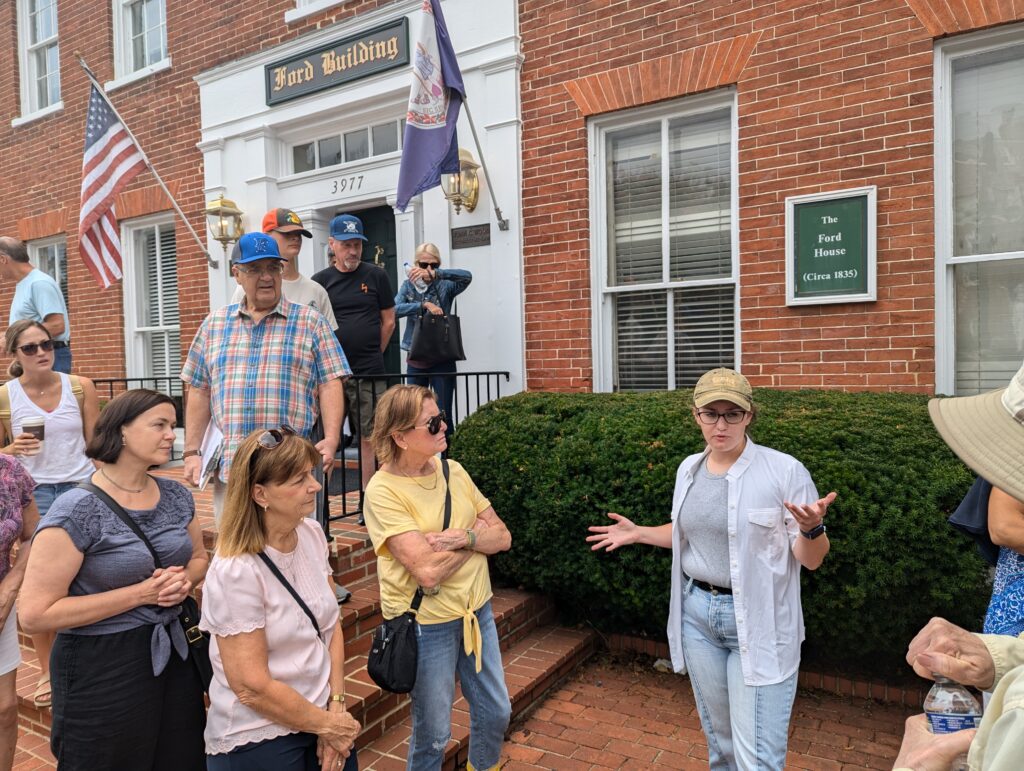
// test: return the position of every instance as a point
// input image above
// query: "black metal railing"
(472, 390)
(109, 387)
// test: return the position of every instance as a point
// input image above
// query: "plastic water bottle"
(418, 283)
(950, 707)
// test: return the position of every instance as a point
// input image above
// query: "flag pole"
(145, 159)
(502, 222)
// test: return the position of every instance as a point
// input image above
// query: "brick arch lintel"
(949, 17)
(687, 72)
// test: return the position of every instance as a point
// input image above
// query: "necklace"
(41, 389)
(422, 487)
(122, 487)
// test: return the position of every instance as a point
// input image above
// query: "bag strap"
(79, 392)
(5, 411)
(295, 595)
(418, 597)
(116, 507)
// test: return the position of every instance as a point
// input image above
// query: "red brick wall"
(835, 94)
(41, 161)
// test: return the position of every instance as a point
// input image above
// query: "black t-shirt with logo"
(358, 298)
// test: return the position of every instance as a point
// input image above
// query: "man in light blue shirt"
(36, 297)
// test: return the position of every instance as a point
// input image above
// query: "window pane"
(705, 331)
(641, 341)
(634, 205)
(156, 256)
(43, 16)
(303, 157)
(989, 324)
(988, 152)
(699, 197)
(385, 138)
(357, 145)
(330, 151)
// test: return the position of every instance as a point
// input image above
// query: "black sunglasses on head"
(31, 349)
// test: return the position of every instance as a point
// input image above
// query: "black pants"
(111, 714)
(292, 752)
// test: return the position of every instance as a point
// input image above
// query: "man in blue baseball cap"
(364, 306)
(261, 363)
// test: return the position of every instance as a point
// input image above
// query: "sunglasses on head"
(433, 425)
(427, 265)
(31, 349)
(273, 437)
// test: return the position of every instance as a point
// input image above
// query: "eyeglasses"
(31, 349)
(710, 417)
(267, 270)
(433, 425)
(273, 437)
(428, 265)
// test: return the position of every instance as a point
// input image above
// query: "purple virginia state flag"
(431, 146)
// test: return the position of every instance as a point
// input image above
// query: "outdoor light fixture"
(463, 189)
(225, 221)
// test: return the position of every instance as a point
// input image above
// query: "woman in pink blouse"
(277, 700)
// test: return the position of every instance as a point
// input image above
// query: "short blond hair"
(428, 248)
(398, 410)
(242, 529)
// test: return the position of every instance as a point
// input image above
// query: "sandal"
(43, 695)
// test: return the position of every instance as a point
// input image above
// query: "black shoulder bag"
(188, 613)
(437, 338)
(391, 663)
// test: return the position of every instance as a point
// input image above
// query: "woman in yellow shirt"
(404, 509)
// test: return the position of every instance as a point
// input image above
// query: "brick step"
(532, 666)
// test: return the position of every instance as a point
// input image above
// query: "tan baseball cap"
(987, 433)
(725, 384)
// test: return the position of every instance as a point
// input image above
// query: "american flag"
(110, 162)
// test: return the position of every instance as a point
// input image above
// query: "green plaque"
(830, 249)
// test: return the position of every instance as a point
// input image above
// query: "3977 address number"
(346, 184)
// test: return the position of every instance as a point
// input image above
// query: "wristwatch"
(471, 537)
(814, 532)
(190, 453)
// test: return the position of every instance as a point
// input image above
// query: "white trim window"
(152, 332)
(140, 36)
(979, 233)
(50, 256)
(664, 244)
(40, 55)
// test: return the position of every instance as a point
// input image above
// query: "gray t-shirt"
(704, 521)
(114, 557)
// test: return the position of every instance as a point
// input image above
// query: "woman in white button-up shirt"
(745, 518)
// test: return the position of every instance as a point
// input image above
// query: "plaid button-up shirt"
(263, 374)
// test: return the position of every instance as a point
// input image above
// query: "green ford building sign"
(830, 247)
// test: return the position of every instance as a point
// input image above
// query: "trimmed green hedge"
(552, 464)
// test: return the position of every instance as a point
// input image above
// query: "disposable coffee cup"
(37, 428)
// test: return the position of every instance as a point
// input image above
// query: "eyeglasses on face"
(272, 437)
(274, 269)
(710, 417)
(427, 265)
(433, 425)
(31, 349)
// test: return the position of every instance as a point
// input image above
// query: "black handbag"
(188, 611)
(437, 338)
(394, 650)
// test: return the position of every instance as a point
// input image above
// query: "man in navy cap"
(261, 363)
(364, 305)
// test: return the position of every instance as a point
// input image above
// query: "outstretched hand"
(809, 515)
(611, 537)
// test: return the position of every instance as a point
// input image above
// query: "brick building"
(643, 151)
(661, 140)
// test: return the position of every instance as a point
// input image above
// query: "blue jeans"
(441, 655)
(442, 385)
(62, 359)
(46, 494)
(746, 726)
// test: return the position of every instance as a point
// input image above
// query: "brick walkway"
(627, 716)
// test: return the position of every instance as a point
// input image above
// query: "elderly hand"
(452, 539)
(946, 649)
(924, 751)
(809, 515)
(339, 732)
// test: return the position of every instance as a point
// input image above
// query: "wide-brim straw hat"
(987, 433)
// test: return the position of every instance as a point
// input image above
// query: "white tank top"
(62, 458)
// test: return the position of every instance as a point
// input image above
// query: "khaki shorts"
(361, 397)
